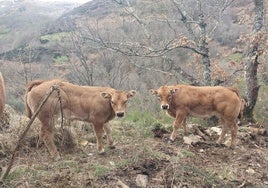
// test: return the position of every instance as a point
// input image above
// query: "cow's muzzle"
(120, 114)
(164, 106)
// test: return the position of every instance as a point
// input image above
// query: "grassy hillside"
(141, 152)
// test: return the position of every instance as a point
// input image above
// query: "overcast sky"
(76, 1)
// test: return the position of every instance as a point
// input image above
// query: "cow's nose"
(120, 114)
(164, 106)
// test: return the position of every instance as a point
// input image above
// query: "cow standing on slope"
(2, 95)
(181, 101)
(96, 105)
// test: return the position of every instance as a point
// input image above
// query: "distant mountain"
(40, 26)
(96, 9)
(21, 21)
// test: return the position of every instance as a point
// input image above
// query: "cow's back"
(2, 95)
(206, 100)
(77, 102)
(86, 102)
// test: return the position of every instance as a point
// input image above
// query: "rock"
(214, 130)
(191, 139)
(250, 171)
(142, 180)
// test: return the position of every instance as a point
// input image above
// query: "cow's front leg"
(233, 135)
(99, 133)
(180, 117)
(184, 126)
(107, 129)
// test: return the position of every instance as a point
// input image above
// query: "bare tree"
(199, 26)
(253, 50)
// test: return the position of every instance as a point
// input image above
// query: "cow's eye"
(112, 102)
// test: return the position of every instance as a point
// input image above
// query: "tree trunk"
(203, 46)
(251, 61)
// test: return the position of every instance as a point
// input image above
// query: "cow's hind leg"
(98, 128)
(234, 128)
(223, 131)
(107, 129)
(232, 125)
(46, 134)
(180, 118)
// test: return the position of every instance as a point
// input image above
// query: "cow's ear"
(154, 92)
(131, 93)
(173, 91)
(106, 95)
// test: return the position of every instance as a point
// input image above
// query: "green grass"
(4, 33)
(186, 153)
(226, 174)
(54, 38)
(148, 118)
(60, 59)
(99, 170)
(261, 108)
(18, 173)
(237, 57)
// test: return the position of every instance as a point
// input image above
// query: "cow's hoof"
(170, 141)
(232, 147)
(56, 157)
(112, 146)
(102, 152)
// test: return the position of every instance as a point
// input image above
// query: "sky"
(76, 1)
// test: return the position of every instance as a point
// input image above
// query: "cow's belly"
(68, 114)
(202, 112)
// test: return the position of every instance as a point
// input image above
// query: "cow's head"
(118, 100)
(164, 94)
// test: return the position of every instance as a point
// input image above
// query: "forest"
(137, 45)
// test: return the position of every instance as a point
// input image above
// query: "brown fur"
(2, 95)
(97, 105)
(181, 101)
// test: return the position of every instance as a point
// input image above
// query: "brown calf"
(97, 105)
(2, 95)
(181, 101)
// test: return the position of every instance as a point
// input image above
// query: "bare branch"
(136, 49)
(185, 20)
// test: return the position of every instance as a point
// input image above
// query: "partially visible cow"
(181, 101)
(97, 105)
(2, 95)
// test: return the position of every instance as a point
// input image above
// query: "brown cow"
(97, 105)
(181, 101)
(2, 95)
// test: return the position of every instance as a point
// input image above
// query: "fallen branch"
(50, 91)
(200, 133)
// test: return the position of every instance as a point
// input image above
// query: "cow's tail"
(2, 95)
(29, 87)
(242, 104)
